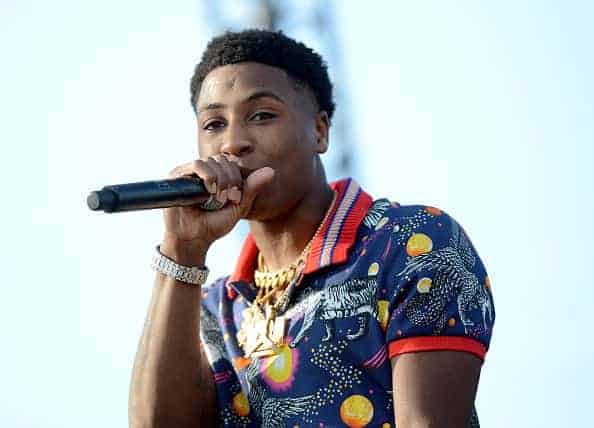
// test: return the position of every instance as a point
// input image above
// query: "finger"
(223, 180)
(233, 172)
(197, 168)
(235, 180)
(179, 171)
(207, 173)
(253, 185)
(234, 194)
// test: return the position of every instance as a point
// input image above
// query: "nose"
(236, 141)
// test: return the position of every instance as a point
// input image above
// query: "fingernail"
(213, 188)
(235, 194)
(222, 196)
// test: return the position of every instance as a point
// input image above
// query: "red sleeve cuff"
(437, 343)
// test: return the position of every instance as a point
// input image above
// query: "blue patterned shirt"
(380, 280)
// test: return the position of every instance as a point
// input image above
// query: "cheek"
(205, 150)
(292, 154)
(292, 144)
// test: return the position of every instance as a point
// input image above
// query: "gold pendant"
(261, 335)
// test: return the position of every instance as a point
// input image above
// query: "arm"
(440, 326)
(172, 384)
(434, 389)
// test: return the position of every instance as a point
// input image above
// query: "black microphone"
(147, 195)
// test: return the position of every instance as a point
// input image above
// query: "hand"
(192, 227)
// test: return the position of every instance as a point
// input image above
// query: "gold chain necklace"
(262, 331)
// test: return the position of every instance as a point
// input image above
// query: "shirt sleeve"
(442, 298)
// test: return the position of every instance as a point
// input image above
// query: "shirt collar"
(334, 239)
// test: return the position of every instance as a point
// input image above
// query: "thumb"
(254, 184)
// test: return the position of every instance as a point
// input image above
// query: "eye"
(262, 115)
(213, 125)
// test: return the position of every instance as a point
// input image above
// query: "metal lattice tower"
(312, 22)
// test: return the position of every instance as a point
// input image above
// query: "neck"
(282, 239)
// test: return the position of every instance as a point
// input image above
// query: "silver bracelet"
(188, 274)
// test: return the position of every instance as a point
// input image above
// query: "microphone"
(146, 195)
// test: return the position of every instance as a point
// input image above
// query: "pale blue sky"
(484, 109)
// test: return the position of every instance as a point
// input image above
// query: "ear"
(322, 124)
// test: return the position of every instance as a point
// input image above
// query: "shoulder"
(399, 232)
(405, 220)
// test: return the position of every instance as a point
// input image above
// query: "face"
(257, 116)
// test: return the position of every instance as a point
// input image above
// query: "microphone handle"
(147, 195)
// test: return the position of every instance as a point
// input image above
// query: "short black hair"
(272, 48)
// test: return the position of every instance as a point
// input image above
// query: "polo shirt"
(381, 280)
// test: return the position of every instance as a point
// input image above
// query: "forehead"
(235, 81)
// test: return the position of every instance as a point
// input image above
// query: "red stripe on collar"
(331, 244)
(247, 262)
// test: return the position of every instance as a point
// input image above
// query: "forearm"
(172, 384)
(170, 381)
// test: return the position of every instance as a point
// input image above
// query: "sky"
(484, 109)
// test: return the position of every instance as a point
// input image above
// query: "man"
(341, 311)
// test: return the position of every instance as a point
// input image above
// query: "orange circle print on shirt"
(356, 411)
(418, 244)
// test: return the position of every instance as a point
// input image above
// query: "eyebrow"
(252, 97)
(212, 106)
(265, 94)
